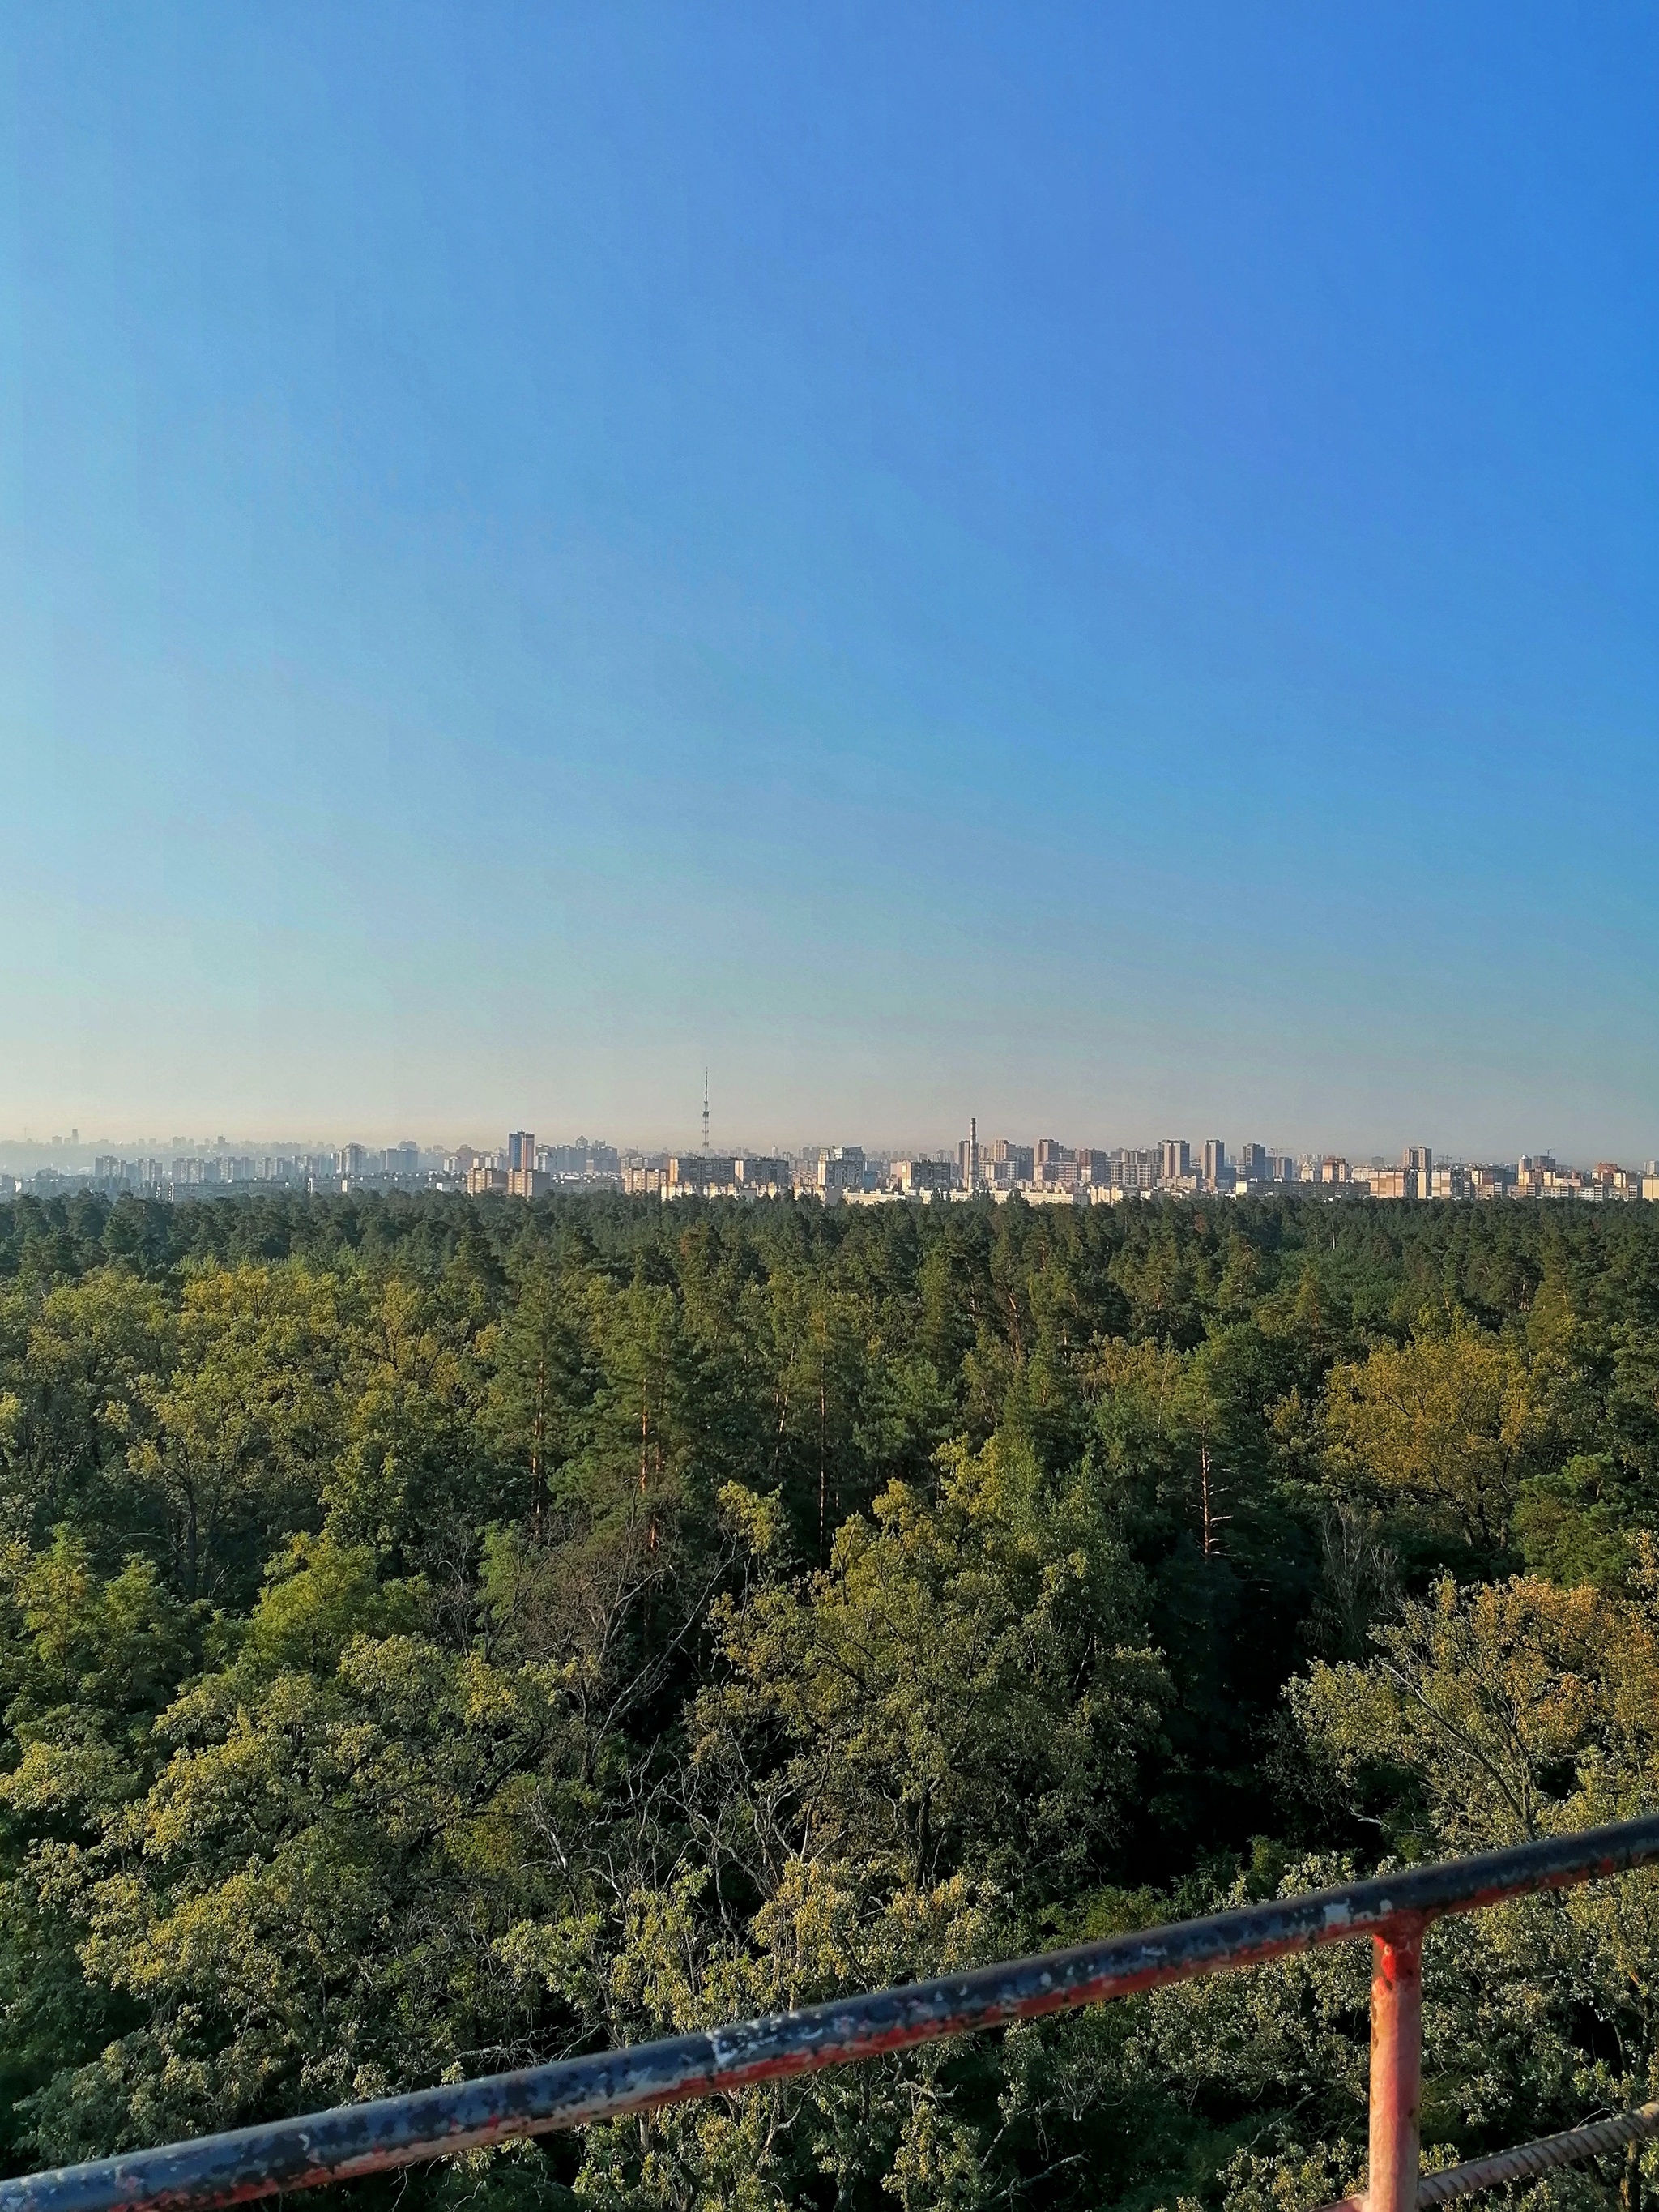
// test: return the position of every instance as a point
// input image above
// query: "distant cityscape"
(1045, 1171)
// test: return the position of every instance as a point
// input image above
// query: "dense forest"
(441, 1636)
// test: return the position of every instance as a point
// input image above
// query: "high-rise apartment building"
(1216, 1174)
(1004, 1163)
(700, 1171)
(915, 1175)
(760, 1171)
(838, 1169)
(588, 1160)
(520, 1152)
(1177, 1158)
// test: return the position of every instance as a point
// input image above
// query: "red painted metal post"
(1397, 2066)
(311, 2148)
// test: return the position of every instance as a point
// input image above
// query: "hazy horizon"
(927, 563)
(1023, 1128)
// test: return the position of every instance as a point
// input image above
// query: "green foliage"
(1449, 1423)
(959, 1691)
(1568, 1523)
(437, 1636)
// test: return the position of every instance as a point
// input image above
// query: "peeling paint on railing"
(425, 2124)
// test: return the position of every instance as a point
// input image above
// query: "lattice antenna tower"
(705, 1109)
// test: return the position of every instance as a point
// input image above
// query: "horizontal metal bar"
(391, 2131)
(1540, 2157)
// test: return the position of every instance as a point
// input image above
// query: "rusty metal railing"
(1394, 1911)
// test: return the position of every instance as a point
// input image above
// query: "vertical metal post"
(1397, 2066)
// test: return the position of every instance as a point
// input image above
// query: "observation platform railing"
(1392, 1911)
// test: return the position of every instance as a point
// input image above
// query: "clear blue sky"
(1093, 566)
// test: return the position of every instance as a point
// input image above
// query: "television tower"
(705, 1109)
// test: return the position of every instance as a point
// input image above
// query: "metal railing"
(1392, 1911)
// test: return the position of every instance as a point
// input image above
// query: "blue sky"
(1095, 567)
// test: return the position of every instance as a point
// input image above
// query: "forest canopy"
(443, 1635)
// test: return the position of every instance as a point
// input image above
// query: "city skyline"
(995, 1161)
(481, 1132)
(740, 1133)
